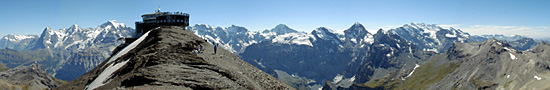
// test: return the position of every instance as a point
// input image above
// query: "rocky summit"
(29, 77)
(165, 58)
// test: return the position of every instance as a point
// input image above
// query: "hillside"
(163, 59)
(27, 78)
(491, 64)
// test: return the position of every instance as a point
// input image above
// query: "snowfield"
(106, 74)
(103, 77)
(416, 66)
(294, 38)
(450, 35)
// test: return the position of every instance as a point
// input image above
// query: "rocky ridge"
(163, 59)
(492, 64)
(28, 77)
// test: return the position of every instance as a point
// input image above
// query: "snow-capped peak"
(74, 27)
(323, 29)
(48, 28)
(321, 32)
(116, 24)
(356, 33)
(357, 28)
(237, 29)
(282, 29)
(18, 37)
(282, 26)
(423, 26)
(452, 28)
(326, 34)
(48, 31)
(112, 24)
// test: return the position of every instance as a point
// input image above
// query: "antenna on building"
(158, 9)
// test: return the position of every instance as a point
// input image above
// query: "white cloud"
(530, 31)
(451, 25)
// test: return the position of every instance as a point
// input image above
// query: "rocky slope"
(491, 64)
(27, 78)
(496, 65)
(163, 59)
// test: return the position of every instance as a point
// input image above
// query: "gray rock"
(28, 77)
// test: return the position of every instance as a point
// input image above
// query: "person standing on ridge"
(215, 48)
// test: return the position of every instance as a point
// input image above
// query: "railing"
(176, 13)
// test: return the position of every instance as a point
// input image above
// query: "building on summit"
(157, 19)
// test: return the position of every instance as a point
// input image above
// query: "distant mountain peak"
(423, 26)
(47, 30)
(281, 26)
(356, 31)
(235, 28)
(282, 29)
(357, 27)
(357, 23)
(323, 30)
(112, 23)
(74, 27)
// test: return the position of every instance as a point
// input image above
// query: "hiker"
(200, 48)
(215, 48)
(195, 49)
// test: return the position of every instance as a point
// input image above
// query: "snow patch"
(353, 40)
(512, 56)
(537, 77)
(398, 46)
(410, 50)
(507, 76)
(294, 38)
(338, 78)
(369, 39)
(509, 49)
(105, 75)
(431, 49)
(415, 66)
(112, 67)
(129, 47)
(17, 37)
(450, 35)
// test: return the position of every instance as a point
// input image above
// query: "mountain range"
(323, 58)
(65, 53)
(352, 54)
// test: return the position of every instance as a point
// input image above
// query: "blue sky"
(529, 18)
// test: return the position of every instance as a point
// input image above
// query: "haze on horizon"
(527, 18)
